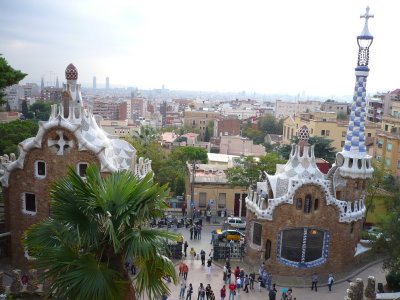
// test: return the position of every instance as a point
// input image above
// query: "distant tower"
(57, 84)
(353, 161)
(42, 84)
(107, 83)
(94, 82)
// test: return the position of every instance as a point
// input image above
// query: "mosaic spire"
(355, 138)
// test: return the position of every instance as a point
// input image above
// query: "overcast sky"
(298, 47)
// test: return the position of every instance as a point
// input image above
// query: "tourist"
(228, 275)
(246, 284)
(232, 291)
(241, 275)
(289, 294)
(284, 294)
(269, 280)
(314, 281)
(195, 232)
(209, 266)
(199, 232)
(181, 268)
(183, 209)
(213, 235)
(259, 280)
(201, 292)
(238, 283)
(208, 291)
(185, 270)
(225, 272)
(252, 279)
(223, 293)
(212, 296)
(231, 244)
(330, 282)
(189, 292)
(203, 257)
(272, 293)
(237, 272)
(262, 268)
(264, 278)
(164, 297)
(192, 254)
(191, 232)
(211, 254)
(183, 288)
(185, 246)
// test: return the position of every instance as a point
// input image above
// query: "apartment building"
(199, 120)
(284, 109)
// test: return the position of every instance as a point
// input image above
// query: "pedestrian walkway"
(198, 274)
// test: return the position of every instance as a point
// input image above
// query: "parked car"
(230, 234)
(236, 222)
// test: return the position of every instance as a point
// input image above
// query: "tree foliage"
(270, 125)
(8, 77)
(342, 116)
(14, 132)
(249, 171)
(96, 225)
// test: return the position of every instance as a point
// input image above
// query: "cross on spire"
(367, 15)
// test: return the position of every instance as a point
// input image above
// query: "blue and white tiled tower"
(353, 161)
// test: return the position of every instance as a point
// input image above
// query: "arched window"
(316, 203)
(299, 203)
(257, 230)
(267, 249)
(303, 247)
(307, 204)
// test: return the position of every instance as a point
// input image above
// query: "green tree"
(96, 224)
(268, 162)
(148, 135)
(207, 134)
(40, 110)
(247, 173)
(25, 108)
(342, 116)
(14, 132)
(8, 77)
(269, 124)
(375, 184)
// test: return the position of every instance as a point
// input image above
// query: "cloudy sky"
(297, 47)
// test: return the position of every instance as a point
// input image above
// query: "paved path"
(198, 273)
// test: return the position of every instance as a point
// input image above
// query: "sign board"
(192, 204)
(211, 201)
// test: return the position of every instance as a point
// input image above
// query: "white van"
(236, 222)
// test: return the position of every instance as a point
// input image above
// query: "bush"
(393, 280)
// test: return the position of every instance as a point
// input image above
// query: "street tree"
(8, 77)
(95, 226)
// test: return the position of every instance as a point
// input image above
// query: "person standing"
(181, 268)
(269, 280)
(252, 279)
(330, 282)
(259, 280)
(203, 257)
(264, 278)
(241, 275)
(246, 284)
(272, 294)
(185, 246)
(201, 293)
(195, 232)
(223, 293)
(183, 210)
(211, 254)
(314, 281)
(208, 291)
(191, 232)
(185, 270)
(232, 292)
(189, 292)
(228, 275)
(183, 288)
(199, 232)
(237, 272)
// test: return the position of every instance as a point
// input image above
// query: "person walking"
(232, 291)
(224, 272)
(181, 268)
(269, 280)
(272, 294)
(223, 293)
(212, 296)
(259, 280)
(185, 246)
(191, 232)
(203, 257)
(246, 284)
(185, 270)
(330, 282)
(289, 295)
(189, 292)
(195, 232)
(264, 278)
(241, 275)
(284, 294)
(238, 284)
(199, 232)
(237, 272)
(209, 266)
(252, 279)
(201, 292)
(211, 254)
(228, 275)
(183, 288)
(208, 291)
(192, 254)
(314, 281)
(183, 210)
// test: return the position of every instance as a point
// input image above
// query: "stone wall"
(24, 180)
(342, 242)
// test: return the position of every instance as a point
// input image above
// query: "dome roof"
(71, 73)
(303, 133)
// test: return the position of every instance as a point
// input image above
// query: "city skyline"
(280, 48)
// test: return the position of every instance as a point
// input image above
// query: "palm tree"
(95, 225)
(148, 135)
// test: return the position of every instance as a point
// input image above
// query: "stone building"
(300, 221)
(70, 138)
